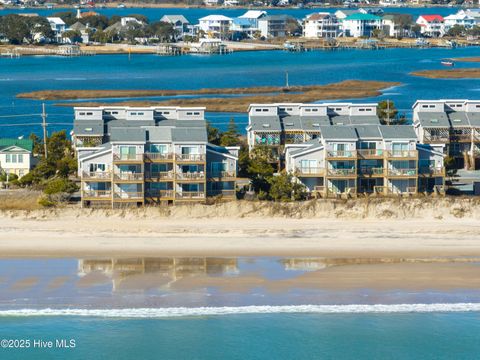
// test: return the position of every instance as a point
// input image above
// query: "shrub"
(60, 185)
(45, 201)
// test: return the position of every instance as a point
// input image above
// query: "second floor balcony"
(190, 157)
(405, 172)
(341, 154)
(431, 171)
(223, 174)
(130, 195)
(128, 176)
(342, 172)
(97, 175)
(310, 171)
(159, 157)
(190, 195)
(371, 171)
(127, 158)
(98, 194)
(160, 175)
(370, 153)
(402, 154)
(190, 176)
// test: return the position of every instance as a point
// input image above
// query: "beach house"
(58, 26)
(253, 16)
(352, 159)
(359, 24)
(343, 13)
(215, 26)
(180, 24)
(455, 124)
(276, 125)
(16, 156)
(431, 25)
(132, 156)
(321, 25)
(271, 26)
(463, 20)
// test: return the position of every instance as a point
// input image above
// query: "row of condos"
(130, 156)
(377, 159)
(452, 123)
(278, 125)
(335, 148)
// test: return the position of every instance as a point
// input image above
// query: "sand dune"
(377, 227)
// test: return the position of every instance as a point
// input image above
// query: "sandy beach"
(393, 228)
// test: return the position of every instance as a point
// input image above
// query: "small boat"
(121, 6)
(447, 63)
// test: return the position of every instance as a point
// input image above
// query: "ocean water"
(262, 68)
(254, 336)
(228, 308)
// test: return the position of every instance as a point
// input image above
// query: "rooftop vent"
(266, 125)
(434, 120)
(88, 129)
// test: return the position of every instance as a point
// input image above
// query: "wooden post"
(44, 125)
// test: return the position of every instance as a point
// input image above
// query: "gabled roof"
(215, 18)
(189, 135)
(25, 144)
(56, 20)
(431, 18)
(368, 132)
(338, 133)
(265, 123)
(319, 16)
(174, 19)
(458, 119)
(253, 14)
(398, 132)
(78, 26)
(88, 127)
(127, 134)
(433, 119)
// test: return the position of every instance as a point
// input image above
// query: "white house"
(431, 25)
(16, 156)
(360, 24)
(342, 13)
(215, 26)
(253, 16)
(58, 26)
(273, 25)
(124, 21)
(321, 25)
(464, 20)
(180, 24)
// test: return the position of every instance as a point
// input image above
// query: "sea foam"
(215, 311)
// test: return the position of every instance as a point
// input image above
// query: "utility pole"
(44, 125)
(286, 80)
(388, 112)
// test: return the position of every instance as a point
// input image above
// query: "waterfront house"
(358, 25)
(82, 29)
(58, 26)
(321, 25)
(180, 24)
(133, 156)
(473, 13)
(215, 26)
(431, 25)
(16, 156)
(253, 16)
(463, 20)
(277, 125)
(271, 26)
(379, 159)
(391, 28)
(455, 124)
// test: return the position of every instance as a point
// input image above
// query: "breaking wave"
(216, 311)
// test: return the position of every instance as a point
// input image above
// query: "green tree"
(213, 134)
(456, 31)
(161, 30)
(14, 28)
(260, 169)
(284, 188)
(99, 22)
(450, 167)
(72, 35)
(231, 136)
(387, 112)
(68, 17)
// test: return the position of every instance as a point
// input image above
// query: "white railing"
(401, 172)
(190, 157)
(190, 195)
(158, 156)
(310, 171)
(128, 176)
(128, 195)
(162, 175)
(160, 193)
(402, 154)
(225, 193)
(190, 175)
(223, 174)
(97, 194)
(127, 157)
(101, 175)
(341, 172)
(366, 153)
(341, 154)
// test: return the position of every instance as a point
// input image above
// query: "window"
(258, 110)
(314, 110)
(82, 113)
(114, 112)
(89, 113)
(158, 148)
(425, 106)
(20, 158)
(308, 110)
(128, 152)
(361, 110)
(189, 113)
(308, 164)
(97, 167)
(8, 158)
(196, 113)
(14, 158)
(187, 150)
(218, 167)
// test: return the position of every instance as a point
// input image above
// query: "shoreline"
(417, 228)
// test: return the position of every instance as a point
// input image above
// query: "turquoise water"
(238, 69)
(259, 336)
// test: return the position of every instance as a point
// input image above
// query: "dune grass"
(19, 200)
(449, 74)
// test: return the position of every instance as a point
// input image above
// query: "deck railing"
(225, 193)
(371, 171)
(341, 172)
(127, 157)
(100, 175)
(223, 174)
(341, 154)
(190, 175)
(402, 154)
(161, 175)
(160, 193)
(97, 193)
(190, 195)
(370, 153)
(128, 176)
(128, 195)
(310, 171)
(149, 156)
(401, 172)
(432, 171)
(190, 157)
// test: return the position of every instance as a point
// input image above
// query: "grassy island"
(265, 94)
(449, 74)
